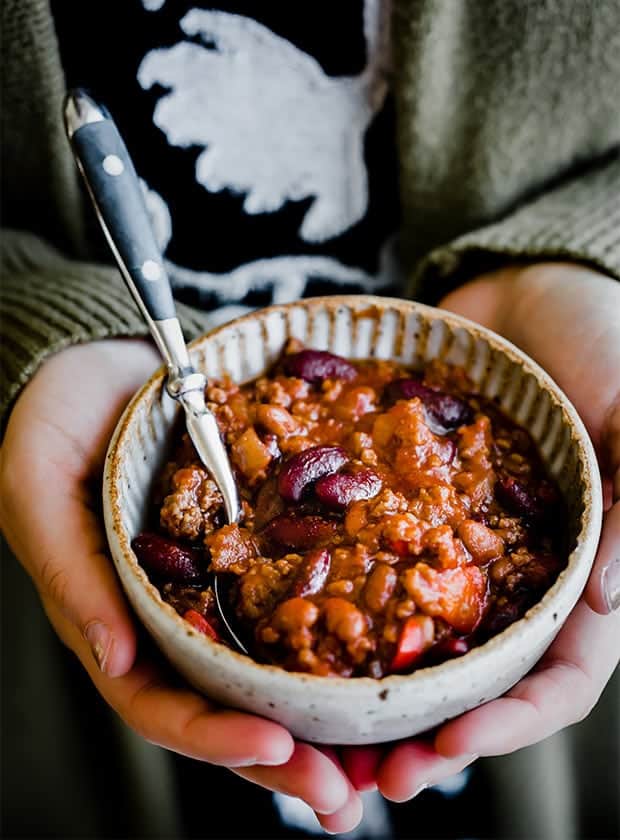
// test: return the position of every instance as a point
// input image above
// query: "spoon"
(113, 186)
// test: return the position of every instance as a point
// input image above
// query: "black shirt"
(264, 136)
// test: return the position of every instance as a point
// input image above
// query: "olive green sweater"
(508, 133)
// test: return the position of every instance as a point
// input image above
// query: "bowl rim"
(586, 539)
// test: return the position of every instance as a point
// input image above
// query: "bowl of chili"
(421, 503)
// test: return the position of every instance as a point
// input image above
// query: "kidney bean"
(452, 647)
(300, 531)
(505, 612)
(446, 410)
(200, 623)
(312, 574)
(168, 560)
(518, 498)
(317, 365)
(306, 467)
(340, 489)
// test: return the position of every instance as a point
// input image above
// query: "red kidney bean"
(453, 647)
(312, 574)
(306, 467)
(517, 498)
(446, 410)
(168, 560)
(505, 612)
(317, 365)
(300, 531)
(340, 489)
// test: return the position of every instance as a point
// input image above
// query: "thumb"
(603, 589)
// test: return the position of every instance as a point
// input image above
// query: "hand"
(50, 472)
(566, 318)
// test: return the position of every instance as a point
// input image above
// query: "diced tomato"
(415, 638)
(456, 595)
(200, 623)
(400, 547)
(250, 454)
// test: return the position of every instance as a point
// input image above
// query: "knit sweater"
(509, 146)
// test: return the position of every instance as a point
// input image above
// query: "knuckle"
(54, 583)
(136, 714)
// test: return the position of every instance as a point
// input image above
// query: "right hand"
(50, 473)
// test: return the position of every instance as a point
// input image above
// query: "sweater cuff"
(578, 221)
(48, 302)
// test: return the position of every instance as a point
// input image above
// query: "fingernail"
(98, 637)
(610, 580)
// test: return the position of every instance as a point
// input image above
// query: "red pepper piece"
(200, 623)
(415, 638)
(400, 547)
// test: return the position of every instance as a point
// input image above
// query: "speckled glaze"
(361, 710)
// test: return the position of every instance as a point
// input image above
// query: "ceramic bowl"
(358, 710)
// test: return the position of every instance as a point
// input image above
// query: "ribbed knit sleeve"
(48, 302)
(578, 220)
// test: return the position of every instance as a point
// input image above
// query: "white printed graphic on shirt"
(286, 277)
(274, 128)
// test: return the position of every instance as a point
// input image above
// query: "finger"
(179, 719)
(412, 766)
(61, 544)
(561, 691)
(484, 299)
(611, 444)
(350, 814)
(360, 764)
(346, 818)
(309, 775)
(603, 589)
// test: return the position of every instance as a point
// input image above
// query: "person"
(265, 140)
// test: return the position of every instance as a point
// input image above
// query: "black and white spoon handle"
(113, 185)
(115, 191)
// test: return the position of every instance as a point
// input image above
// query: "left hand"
(566, 317)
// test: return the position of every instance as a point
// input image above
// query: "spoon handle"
(113, 185)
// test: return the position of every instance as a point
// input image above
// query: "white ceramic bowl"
(359, 710)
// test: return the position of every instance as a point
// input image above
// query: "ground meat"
(191, 509)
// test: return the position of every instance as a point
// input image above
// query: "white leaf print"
(273, 125)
